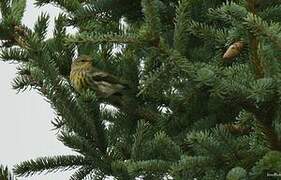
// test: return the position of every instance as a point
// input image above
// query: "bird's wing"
(104, 83)
(104, 76)
(98, 75)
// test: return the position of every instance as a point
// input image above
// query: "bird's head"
(82, 61)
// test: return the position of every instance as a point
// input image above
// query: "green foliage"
(40, 27)
(69, 5)
(181, 31)
(236, 174)
(269, 164)
(5, 174)
(49, 164)
(186, 113)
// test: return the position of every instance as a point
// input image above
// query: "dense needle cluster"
(161, 89)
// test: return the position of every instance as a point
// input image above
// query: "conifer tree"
(204, 94)
(5, 173)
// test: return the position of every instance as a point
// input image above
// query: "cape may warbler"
(85, 76)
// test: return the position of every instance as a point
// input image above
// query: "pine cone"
(233, 50)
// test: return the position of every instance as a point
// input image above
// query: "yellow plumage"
(84, 76)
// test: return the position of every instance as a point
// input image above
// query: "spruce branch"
(53, 84)
(69, 5)
(152, 17)
(254, 44)
(272, 13)
(5, 174)
(97, 12)
(101, 38)
(79, 144)
(16, 11)
(190, 166)
(207, 32)
(49, 164)
(5, 7)
(178, 89)
(40, 27)
(265, 122)
(81, 173)
(151, 31)
(14, 54)
(229, 13)
(269, 162)
(182, 25)
(87, 148)
(270, 135)
(259, 27)
(136, 168)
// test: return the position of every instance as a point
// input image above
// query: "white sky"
(25, 121)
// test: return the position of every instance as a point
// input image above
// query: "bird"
(84, 76)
